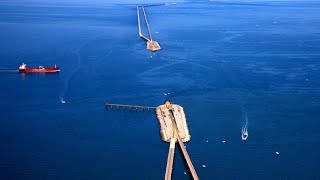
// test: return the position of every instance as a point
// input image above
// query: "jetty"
(151, 44)
(124, 106)
(173, 128)
(169, 115)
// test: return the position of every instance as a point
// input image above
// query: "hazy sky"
(94, 2)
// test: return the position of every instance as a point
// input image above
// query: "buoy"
(203, 166)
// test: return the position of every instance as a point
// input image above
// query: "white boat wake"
(62, 100)
(244, 130)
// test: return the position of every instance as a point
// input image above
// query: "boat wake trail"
(75, 70)
(8, 70)
(79, 63)
(70, 76)
(62, 100)
(244, 130)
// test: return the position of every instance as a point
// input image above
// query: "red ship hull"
(40, 70)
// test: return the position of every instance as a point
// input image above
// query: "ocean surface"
(225, 62)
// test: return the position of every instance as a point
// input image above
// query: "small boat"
(62, 101)
(244, 130)
(244, 134)
(23, 69)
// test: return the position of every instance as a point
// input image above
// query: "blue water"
(224, 62)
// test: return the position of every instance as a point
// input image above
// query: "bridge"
(151, 44)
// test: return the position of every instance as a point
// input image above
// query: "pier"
(151, 44)
(171, 157)
(124, 106)
(168, 114)
(173, 128)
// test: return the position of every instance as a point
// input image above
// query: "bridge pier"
(151, 44)
(123, 106)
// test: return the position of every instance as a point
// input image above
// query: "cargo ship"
(23, 69)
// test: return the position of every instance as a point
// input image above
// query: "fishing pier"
(151, 44)
(124, 106)
(173, 128)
